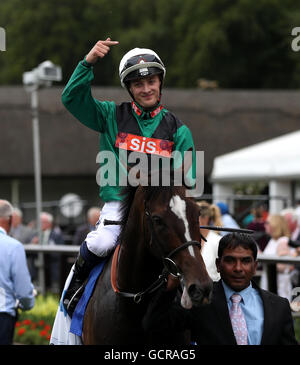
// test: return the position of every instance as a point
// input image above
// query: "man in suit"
(51, 235)
(266, 317)
(18, 230)
(93, 216)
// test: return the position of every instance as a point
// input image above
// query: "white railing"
(63, 249)
(41, 250)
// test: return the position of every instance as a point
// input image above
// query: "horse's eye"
(157, 220)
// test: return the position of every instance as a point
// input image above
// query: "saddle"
(91, 280)
(87, 291)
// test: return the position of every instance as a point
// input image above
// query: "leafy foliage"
(34, 326)
(240, 43)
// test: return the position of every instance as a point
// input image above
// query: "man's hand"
(100, 49)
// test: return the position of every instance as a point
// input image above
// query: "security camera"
(41, 76)
(30, 78)
(47, 71)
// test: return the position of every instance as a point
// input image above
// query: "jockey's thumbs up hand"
(100, 50)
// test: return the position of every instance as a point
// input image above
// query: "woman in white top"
(210, 215)
(277, 228)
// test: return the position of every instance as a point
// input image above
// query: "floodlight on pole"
(41, 76)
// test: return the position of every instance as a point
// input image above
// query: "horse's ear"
(144, 178)
(137, 176)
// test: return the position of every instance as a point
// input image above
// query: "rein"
(214, 228)
(170, 266)
(137, 297)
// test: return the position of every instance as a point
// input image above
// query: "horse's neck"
(135, 265)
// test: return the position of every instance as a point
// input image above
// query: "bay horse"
(160, 230)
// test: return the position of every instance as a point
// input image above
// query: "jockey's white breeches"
(104, 238)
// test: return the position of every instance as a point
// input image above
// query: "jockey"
(144, 124)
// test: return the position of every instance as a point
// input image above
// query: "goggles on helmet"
(139, 63)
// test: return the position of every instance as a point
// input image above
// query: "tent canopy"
(278, 158)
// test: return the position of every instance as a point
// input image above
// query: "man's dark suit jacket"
(81, 233)
(211, 325)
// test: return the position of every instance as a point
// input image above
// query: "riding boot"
(84, 264)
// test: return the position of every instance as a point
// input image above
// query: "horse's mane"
(127, 195)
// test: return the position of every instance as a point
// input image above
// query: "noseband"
(170, 266)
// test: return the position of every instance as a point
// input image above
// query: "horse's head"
(170, 224)
(172, 228)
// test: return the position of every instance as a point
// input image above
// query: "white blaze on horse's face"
(178, 207)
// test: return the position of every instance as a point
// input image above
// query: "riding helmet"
(138, 63)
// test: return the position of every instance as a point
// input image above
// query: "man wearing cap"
(141, 126)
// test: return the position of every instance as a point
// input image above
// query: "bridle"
(169, 266)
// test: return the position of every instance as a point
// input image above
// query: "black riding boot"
(82, 269)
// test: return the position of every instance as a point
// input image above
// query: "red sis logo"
(142, 144)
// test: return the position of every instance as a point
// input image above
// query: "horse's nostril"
(207, 294)
(199, 295)
(191, 289)
(195, 293)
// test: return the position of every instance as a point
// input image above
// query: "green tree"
(239, 43)
(62, 31)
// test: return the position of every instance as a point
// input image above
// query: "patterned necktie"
(238, 321)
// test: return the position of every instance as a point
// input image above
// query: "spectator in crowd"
(227, 219)
(263, 317)
(93, 215)
(258, 226)
(291, 218)
(16, 288)
(18, 230)
(297, 209)
(51, 235)
(210, 215)
(278, 245)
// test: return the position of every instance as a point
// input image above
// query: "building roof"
(278, 158)
(221, 121)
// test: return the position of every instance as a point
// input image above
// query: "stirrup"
(71, 304)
